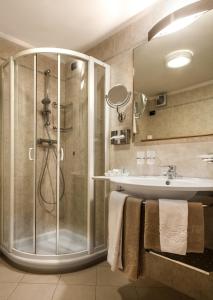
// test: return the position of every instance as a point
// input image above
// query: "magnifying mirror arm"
(121, 115)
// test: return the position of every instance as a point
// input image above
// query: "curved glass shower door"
(74, 165)
(54, 140)
(50, 154)
(24, 163)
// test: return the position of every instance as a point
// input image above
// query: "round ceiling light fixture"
(179, 59)
(180, 19)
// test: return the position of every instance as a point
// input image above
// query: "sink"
(155, 187)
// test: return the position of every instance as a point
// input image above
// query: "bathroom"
(66, 145)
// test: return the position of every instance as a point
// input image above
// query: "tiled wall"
(118, 52)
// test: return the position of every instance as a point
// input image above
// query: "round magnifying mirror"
(118, 96)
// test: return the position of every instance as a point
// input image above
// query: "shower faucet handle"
(30, 153)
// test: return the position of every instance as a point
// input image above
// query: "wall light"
(180, 19)
(179, 59)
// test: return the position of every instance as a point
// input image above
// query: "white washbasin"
(155, 187)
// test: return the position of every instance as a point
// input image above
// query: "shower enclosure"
(54, 139)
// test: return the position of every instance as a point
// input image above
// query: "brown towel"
(195, 228)
(151, 228)
(195, 241)
(131, 237)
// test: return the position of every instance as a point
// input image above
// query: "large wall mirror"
(172, 101)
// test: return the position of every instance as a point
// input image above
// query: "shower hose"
(49, 205)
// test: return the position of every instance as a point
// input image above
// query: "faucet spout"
(171, 173)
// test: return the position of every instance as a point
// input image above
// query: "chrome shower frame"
(58, 262)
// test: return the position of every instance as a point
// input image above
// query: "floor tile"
(162, 293)
(84, 277)
(72, 292)
(116, 293)
(105, 277)
(6, 290)
(147, 282)
(37, 278)
(103, 264)
(9, 274)
(26, 291)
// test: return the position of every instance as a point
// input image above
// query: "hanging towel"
(173, 217)
(131, 237)
(115, 224)
(196, 236)
(151, 228)
(195, 228)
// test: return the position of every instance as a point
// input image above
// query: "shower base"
(69, 242)
(73, 253)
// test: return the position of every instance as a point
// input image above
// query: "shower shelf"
(65, 109)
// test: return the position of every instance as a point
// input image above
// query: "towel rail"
(144, 202)
(204, 205)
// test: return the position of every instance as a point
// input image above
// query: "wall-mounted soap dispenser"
(120, 137)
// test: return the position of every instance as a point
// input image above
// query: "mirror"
(174, 73)
(117, 97)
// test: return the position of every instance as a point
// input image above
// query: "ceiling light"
(180, 19)
(178, 59)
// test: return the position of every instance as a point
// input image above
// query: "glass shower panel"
(46, 163)
(74, 167)
(99, 167)
(23, 149)
(5, 155)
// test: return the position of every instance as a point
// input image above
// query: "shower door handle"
(62, 154)
(30, 153)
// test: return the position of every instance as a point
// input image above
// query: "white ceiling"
(72, 24)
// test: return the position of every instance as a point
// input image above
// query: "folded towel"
(151, 226)
(173, 216)
(115, 223)
(195, 228)
(131, 237)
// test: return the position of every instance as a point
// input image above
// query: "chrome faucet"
(171, 172)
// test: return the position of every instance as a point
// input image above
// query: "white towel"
(115, 225)
(173, 215)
